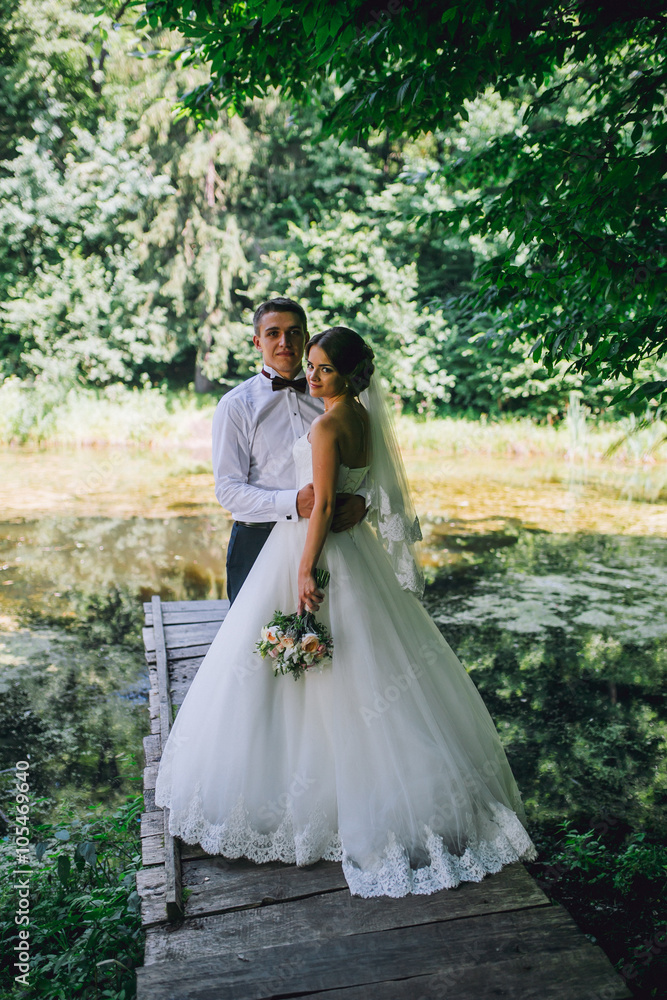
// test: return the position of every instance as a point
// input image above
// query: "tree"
(52, 59)
(578, 197)
(75, 304)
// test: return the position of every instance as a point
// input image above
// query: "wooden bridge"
(219, 929)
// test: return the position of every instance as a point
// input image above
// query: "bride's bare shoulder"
(326, 426)
(346, 429)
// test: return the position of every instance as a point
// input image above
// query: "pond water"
(547, 578)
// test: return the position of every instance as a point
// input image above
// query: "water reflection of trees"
(74, 683)
(67, 707)
(580, 707)
(178, 557)
(579, 704)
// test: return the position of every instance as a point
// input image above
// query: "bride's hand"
(310, 596)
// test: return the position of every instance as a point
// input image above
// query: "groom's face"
(281, 339)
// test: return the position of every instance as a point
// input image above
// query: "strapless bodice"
(349, 480)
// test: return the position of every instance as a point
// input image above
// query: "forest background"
(134, 247)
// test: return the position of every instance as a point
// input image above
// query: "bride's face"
(323, 379)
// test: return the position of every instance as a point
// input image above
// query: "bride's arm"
(326, 462)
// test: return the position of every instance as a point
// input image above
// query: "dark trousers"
(245, 544)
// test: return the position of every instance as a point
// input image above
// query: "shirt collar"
(273, 373)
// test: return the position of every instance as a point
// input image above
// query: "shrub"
(85, 925)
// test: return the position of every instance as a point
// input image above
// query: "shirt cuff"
(286, 505)
(363, 493)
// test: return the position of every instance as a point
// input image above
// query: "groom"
(254, 429)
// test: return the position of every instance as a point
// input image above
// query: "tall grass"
(44, 415)
(626, 440)
(31, 414)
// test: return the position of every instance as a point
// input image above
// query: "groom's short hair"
(279, 304)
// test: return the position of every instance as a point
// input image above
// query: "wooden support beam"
(172, 854)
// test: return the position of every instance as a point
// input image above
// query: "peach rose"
(310, 642)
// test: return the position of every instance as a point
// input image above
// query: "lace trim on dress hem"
(236, 837)
(392, 875)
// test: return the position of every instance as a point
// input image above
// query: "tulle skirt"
(385, 759)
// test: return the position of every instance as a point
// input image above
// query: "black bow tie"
(278, 382)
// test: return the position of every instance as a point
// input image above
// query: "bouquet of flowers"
(296, 642)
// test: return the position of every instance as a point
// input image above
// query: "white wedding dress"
(386, 759)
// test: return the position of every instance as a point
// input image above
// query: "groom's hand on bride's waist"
(305, 499)
(350, 509)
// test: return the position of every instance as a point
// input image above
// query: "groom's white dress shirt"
(254, 430)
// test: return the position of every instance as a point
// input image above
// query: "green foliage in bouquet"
(296, 642)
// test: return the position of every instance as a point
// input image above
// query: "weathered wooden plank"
(152, 850)
(185, 669)
(149, 800)
(150, 886)
(182, 674)
(222, 604)
(172, 866)
(177, 636)
(151, 823)
(184, 666)
(172, 858)
(181, 653)
(187, 617)
(150, 777)
(159, 641)
(338, 914)
(153, 703)
(152, 749)
(379, 956)
(191, 851)
(178, 693)
(218, 884)
(580, 974)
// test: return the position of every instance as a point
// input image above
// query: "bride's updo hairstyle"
(349, 354)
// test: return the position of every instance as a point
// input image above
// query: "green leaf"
(269, 11)
(64, 867)
(88, 853)
(450, 14)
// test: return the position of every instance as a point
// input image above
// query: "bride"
(385, 759)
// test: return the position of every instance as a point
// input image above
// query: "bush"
(85, 923)
(615, 889)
